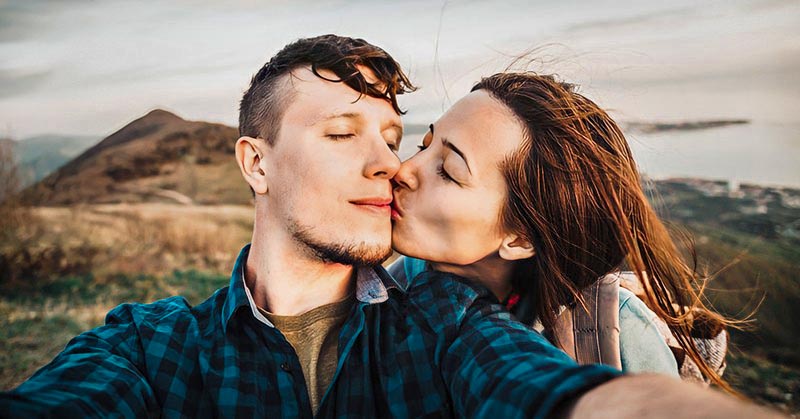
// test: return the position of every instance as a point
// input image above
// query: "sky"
(90, 67)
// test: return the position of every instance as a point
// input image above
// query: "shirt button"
(286, 367)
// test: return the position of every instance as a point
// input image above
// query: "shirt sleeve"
(497, 367)
(97, 375)
(642, 348)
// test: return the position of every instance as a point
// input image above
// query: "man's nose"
(383, 163)
(406, 176)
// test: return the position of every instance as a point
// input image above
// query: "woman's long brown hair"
(575, 193)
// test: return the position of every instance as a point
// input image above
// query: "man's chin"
(374, 256)
(355, 255)
(371, 250)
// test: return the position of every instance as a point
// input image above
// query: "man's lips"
(375, 204)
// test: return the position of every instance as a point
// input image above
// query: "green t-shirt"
(314, 335)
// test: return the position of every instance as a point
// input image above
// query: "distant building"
(758, 208)
(734, 190)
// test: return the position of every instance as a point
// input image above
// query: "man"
(310, 322)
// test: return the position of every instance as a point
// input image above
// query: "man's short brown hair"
(264, 103)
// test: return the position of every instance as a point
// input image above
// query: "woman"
(530, 188)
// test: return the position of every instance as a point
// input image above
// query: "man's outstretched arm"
(96, 375)
(658, 396)
(495, 366)
(498, 367)
(492, 365)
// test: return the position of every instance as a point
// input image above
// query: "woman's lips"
(397, 211)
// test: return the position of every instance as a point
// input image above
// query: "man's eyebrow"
(328, 117)
(450, 145)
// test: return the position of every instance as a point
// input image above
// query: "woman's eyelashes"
(440, 169)
(444, 175)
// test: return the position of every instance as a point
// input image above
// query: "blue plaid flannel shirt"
(443, 347)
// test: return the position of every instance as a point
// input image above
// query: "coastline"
(642, 127)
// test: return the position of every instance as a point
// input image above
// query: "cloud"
(21, 20)
(14, 82)
(625, 22)
(15, 19)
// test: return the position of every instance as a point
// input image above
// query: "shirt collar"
(372, 287)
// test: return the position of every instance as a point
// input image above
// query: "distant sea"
(759, 153)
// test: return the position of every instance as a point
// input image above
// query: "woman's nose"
(406, 176)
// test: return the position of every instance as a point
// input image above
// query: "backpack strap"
(590, 334)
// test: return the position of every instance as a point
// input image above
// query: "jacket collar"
(372, 287)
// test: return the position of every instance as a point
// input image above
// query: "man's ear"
(514, 247)
(249, 156)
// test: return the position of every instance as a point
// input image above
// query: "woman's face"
(449, 195)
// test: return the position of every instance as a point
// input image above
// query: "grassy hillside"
(750, 234)
(748, 238)
(78, 263)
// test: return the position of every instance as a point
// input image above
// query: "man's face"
(330, 167)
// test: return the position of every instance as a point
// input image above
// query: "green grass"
(26, 344)
(35, 326)
(764, 381)
(764, 280)
(194, 285)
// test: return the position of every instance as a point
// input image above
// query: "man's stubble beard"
(354, 254)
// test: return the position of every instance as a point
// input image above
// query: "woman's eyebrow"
(450, 145)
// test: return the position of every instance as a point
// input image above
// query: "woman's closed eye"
(444, 175)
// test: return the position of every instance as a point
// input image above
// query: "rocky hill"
(159, 157)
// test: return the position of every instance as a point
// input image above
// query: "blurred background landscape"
(117, 126)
